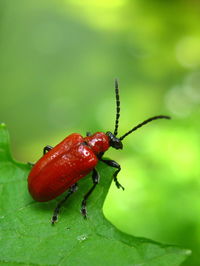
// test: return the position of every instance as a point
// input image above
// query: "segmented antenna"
(117, 107)
(144, 123)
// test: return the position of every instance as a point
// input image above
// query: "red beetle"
(61, 167)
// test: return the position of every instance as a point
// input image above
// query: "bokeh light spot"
(178, 102)
(188, 52)
(192, 86)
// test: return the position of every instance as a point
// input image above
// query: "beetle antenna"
(144, 123)
(117, 107)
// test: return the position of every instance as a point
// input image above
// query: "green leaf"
(28, 238)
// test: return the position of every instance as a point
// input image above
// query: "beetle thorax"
(98, 142)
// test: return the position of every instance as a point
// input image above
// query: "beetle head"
(114, 141)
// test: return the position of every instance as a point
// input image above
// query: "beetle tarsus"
(54, 219)
(114, 164)
(118, 185)
(59, 205)
(95, 179)
(84, 209)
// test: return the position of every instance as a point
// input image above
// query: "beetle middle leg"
(47, 148)
(95, 179)
(114, 164)
(59, 205)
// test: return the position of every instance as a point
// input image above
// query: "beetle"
(62, 166)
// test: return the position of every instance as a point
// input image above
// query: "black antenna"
(117, 107)
(144, 123)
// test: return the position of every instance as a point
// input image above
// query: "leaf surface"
(28, 238)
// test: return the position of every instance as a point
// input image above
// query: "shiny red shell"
(65, 164)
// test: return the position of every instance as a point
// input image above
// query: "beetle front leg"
(95, 179)
(114, 164)
(47, 148)
(59, 205)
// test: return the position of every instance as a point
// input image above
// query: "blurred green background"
(58, 61)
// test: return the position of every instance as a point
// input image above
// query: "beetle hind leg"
(59, 205)
(95, 179)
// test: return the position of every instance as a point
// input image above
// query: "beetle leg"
(100, 155)
(59, 205)
(31, 164)
(88, 134)
(95, 179)
(114, 164)
(47, 148)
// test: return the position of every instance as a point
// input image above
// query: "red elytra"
(72, 159)
(65, 164)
